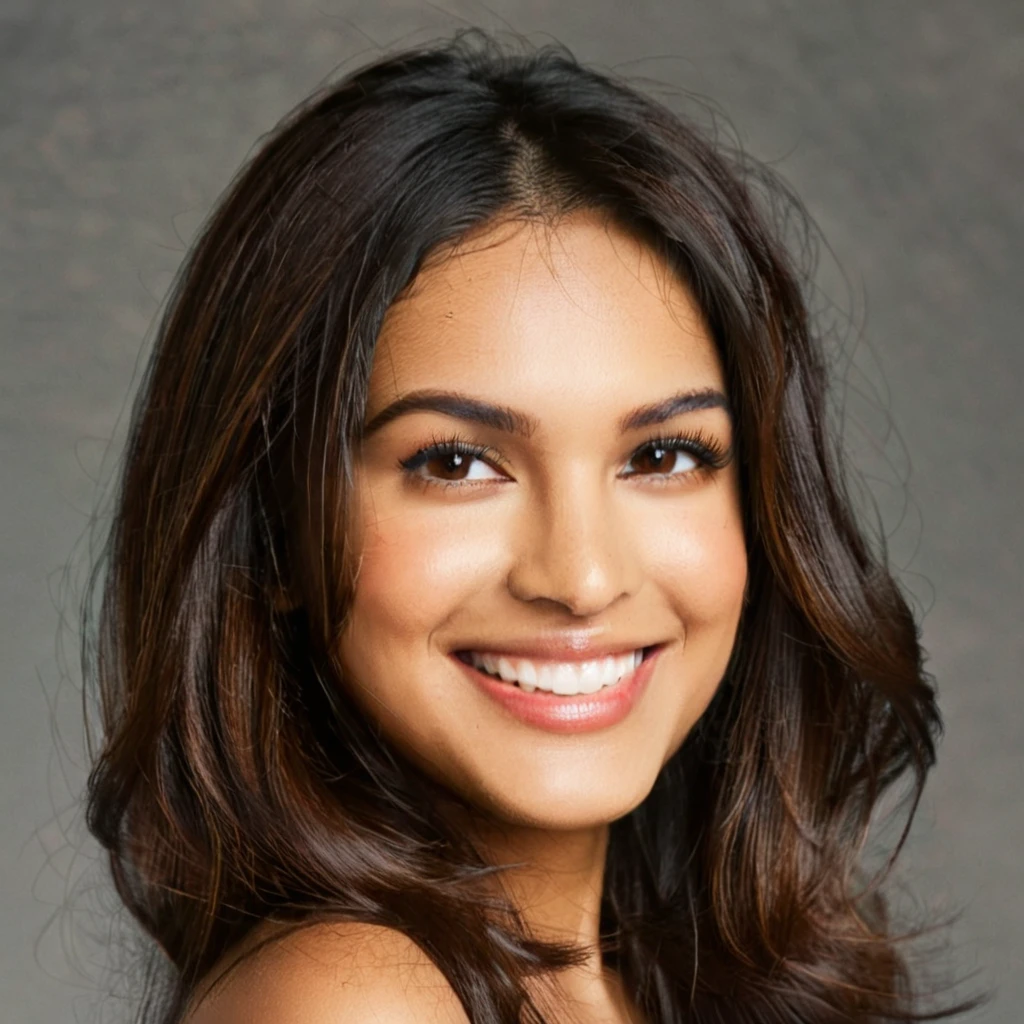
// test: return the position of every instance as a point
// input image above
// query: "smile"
(564, 678)
(589, 696)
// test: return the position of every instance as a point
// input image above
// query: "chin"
(563, 805)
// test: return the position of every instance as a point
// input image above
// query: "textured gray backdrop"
(899, 123)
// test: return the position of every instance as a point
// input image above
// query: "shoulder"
(330, 973)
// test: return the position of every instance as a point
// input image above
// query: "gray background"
(899, 123)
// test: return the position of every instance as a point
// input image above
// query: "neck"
(557, 881)
(556, 885)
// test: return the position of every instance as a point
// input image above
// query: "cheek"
(416, 570)
(701, 564)
(702, 572)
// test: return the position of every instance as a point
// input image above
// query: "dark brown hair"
(237, 781)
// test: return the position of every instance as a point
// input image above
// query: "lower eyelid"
(701, 468)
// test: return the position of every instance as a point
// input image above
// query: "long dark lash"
(708, 450)
(449, 445)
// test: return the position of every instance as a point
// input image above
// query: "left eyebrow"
(516, 422)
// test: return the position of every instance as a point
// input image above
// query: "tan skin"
(576, 525)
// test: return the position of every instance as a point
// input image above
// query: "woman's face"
(575, 531)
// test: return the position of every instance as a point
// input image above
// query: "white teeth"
(527, 676)
(565, 680)
(562, 678)
(590, 677)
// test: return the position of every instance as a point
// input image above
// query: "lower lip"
(584, 712)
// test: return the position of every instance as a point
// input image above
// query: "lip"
(584, 712)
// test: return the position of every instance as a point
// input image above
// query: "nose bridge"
(572, 547)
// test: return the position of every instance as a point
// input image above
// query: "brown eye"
(661, 458)
(451, 461)
(452, 465)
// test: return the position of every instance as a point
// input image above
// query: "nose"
(573, 548)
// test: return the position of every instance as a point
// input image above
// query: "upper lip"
(559, 647)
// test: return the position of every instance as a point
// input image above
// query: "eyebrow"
(513, 421)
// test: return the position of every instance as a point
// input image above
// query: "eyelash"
(710, 454)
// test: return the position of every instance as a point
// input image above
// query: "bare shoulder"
(330, 973)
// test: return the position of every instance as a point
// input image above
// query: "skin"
(575, 325)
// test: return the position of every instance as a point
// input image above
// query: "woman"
(486, 633)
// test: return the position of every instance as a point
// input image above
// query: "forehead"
(570, 312)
